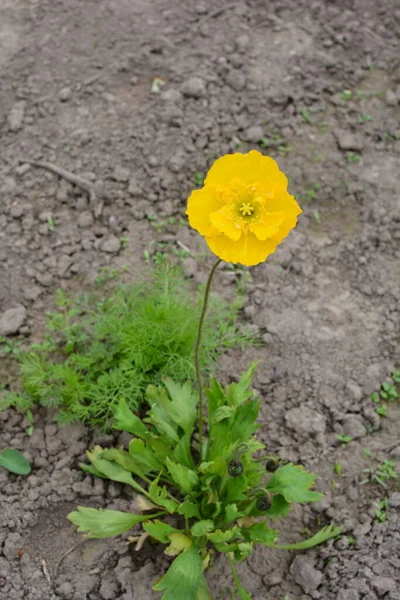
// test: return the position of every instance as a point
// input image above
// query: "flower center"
(246, 209)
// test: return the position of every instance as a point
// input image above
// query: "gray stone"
(13, 543)
(111, 244)
(173, 96)
(134, 188)
(236, 80)
(383, 585)
(45, 216)
(12, 320)
(394, 500)
(348, 594)
(189, 266)
(109, 589)
(45, 279)
(304, 420)
(391, 98)
(32, 293)
(194, 87)
(9, 185)
(349, 141)
(305, 574)
(253, 134)
(16, 211)
(85, 219)
(66, 590)
(65, 94)
(121, 174)
(16, 116)
(354, 427)
(64, 264)
(354, 390)
(242, 42)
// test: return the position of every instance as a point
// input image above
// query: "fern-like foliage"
(100, 349)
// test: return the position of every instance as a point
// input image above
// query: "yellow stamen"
(246, 209)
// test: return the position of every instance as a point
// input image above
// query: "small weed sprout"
(306, 115)
(381, 511)
(198, 178)
(381, 474)
(343, 439)
(346, 95)
(353, 157)
(365, 118)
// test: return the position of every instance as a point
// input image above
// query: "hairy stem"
(197, 355)
(243, 595)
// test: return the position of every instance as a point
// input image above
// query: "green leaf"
(185, 478)
(182, 451)
(279, 507)
(111, 470)
(202, 527)
(215, 395)
(235, 488)
(231, 513)
(126, 420)
(182, 406)
(214, 467)
(104, 523)
(243, 550)
(126, 461)
(293, 483)
(14, 461)
(237, 393)
(160, 496)
(322, 536)
(157, 399)
(90, 469)
(221, 537)
(183, 578)
(160, 531)
(189, 510)
(244, 424)
(179, 542)
(144, 455)
(260, 533)
(223, 412)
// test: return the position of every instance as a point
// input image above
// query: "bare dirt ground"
(319, 83)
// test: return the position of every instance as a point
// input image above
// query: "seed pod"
(271, 465)
(263, 503)
(235, 468)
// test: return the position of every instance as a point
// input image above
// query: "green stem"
(243, 595)
(197, 355)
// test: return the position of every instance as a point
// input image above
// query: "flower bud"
(263, 503)
(235, 468)
(271, 465)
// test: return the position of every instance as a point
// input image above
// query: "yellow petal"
(250, 168)
(200, 204)
(283, 202)
(248, 250)
(268, 225)
(224, 220)
(286, 227)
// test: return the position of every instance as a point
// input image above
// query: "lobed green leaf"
(104, 523)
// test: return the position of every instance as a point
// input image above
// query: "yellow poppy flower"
(244, 210)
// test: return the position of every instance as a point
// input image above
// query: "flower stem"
(197, 355)
(243, 595)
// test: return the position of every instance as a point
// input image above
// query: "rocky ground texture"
(317, 86)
